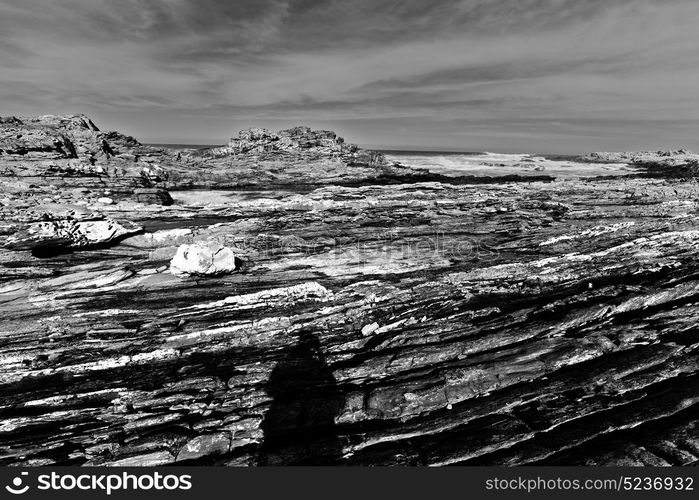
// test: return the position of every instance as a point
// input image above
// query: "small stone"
(105, 201)
(369, 329)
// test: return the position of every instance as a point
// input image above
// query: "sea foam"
(498, 164)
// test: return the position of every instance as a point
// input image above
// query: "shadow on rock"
(299, 428)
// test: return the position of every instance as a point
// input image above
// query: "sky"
(549, 76)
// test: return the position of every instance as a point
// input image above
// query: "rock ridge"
(300, 140)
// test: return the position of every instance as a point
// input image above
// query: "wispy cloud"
(465, 74)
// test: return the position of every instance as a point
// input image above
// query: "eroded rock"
(69, 234)
(207, 445)
(203, 259)
(420, 323)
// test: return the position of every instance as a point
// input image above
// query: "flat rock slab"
(69, 234)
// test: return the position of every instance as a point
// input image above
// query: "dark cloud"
(508, 70)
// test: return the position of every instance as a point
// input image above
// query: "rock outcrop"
(71, 152)
(260, 140)
(152, 196)
(377, 319)
(681, 164)
(297, 158)
(60, 137)
(303, 141)
(670, 157)
(69, 234)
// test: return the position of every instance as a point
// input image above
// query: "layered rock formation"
(677, 164)
(382, 321)
(68, 159)
(68, 234)
(295, 159)
(670, 158)
(301, 141)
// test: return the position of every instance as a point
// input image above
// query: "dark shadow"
(299, 427)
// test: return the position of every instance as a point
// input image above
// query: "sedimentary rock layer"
(424, 323)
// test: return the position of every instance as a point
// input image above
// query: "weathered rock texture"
(422, 323)
(669, 158)
(203, 259)
(69, 160)
(301, 141)
(69, 233)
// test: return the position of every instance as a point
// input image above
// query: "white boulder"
(203, 259)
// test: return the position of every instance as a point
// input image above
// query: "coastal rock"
(69, 152)
(10, 120)
(50, 136)
(154, 174)
(658, 158)
(36, 144)
(69, 234)
(207, 445)
(71, 122)
(300, 141)
(261, 140)
(202, 259)
(384, 315)
(292, 158)
(152, 196)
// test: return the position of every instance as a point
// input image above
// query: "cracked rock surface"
(379, 314)
(203, 259)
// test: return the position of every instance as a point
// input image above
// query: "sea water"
(498, 164)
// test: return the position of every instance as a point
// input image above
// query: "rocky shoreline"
(327, 306)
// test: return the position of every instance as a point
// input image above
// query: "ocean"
(497, 164)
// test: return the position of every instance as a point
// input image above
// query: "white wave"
(497, 164)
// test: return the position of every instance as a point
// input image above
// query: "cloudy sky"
(496, 75)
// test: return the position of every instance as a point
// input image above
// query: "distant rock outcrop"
(676, 164)
(299, 156)
(301, 140)
(668, 157)
(262, 140)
